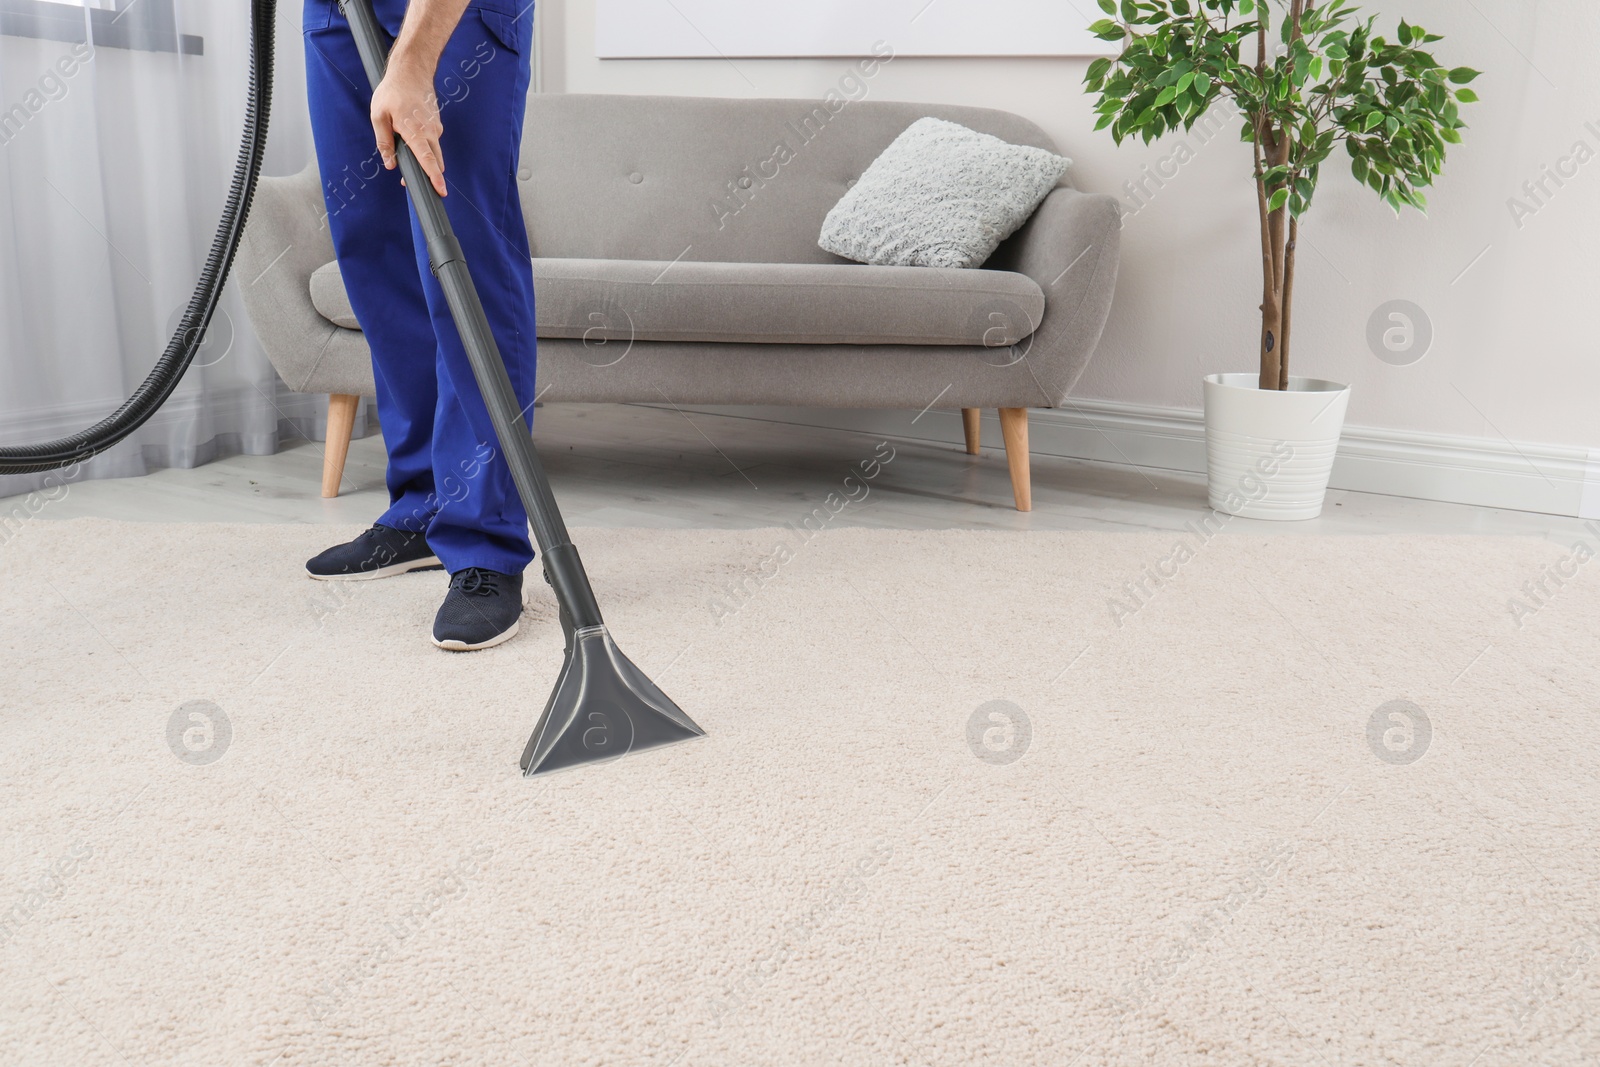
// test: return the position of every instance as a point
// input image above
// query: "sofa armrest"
(1071, 247)
(285, 240)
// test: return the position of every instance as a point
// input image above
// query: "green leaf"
(1392, 103)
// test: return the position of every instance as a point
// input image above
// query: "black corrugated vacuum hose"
(164, 377)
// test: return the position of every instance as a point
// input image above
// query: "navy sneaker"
(378, 553)
(481, 610)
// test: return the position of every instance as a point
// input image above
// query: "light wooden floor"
(628, 465)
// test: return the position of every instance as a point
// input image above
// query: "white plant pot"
(1269, 452)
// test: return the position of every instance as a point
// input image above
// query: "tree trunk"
(1272, 150)
(1288, 302)
(1271, 327)
(1272, 147)
(1292, 240)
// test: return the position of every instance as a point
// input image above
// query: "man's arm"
(404, 102)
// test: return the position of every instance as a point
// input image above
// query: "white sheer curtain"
(114, 168)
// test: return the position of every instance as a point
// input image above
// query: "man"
(455, 90)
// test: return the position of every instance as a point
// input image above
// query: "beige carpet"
(1208, 853)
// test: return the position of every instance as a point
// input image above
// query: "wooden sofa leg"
(971, 422)
(1014, 427)
(341, 420)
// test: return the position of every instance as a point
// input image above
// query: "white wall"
(1515, 355)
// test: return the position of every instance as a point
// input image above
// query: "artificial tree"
(1329, 79)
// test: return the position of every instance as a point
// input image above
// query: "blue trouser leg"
(446, 473)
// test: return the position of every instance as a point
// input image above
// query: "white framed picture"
(731, 29)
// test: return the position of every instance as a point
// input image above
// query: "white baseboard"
(1590, 506)
(1487, 472)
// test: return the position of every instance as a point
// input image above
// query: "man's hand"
(405, 104)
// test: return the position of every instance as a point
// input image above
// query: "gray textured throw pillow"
(940, 196)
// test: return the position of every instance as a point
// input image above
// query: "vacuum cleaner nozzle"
(602, 707)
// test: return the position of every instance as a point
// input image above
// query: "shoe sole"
(452, 645)
(427, 563)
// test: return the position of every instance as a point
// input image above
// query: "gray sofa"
(676, 259)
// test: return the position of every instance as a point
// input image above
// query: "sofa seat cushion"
(771, 303)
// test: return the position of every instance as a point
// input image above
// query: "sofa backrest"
(708, 178)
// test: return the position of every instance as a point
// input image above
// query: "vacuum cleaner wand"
(602, 705)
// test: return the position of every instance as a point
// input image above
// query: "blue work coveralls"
(446, 474)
